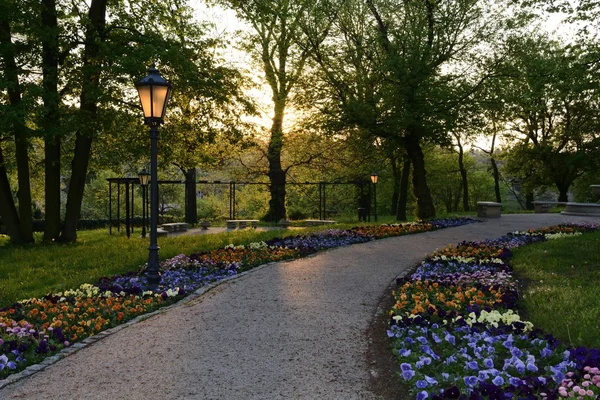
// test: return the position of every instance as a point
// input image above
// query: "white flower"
(552, 236)
(494, 317)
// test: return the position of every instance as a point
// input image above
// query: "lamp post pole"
(154, 92)
(153, 265)
(375, 201)
(374, 179)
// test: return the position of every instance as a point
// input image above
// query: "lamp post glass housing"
(374, 179)
(154, 92)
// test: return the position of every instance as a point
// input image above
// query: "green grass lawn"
(561, 293)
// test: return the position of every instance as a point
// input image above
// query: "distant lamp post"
(154, 92)
(144, 177)
(374, 179)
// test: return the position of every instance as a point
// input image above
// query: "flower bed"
(36, 328)
(456, 336)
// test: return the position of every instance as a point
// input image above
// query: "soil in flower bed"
(383, 364)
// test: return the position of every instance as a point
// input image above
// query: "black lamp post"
(144, 177)
(374, 179)
(154, 92)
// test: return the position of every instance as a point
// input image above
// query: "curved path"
(286, 330)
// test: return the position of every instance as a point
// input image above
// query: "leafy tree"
(551, 96)
(278, 44)
(396, 70)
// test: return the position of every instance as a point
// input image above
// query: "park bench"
(488, 209)
(545, 206)
(241, 223)
(316, 222)
(175, 227)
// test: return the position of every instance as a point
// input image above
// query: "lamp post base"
(152, 274)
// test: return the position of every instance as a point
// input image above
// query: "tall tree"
(276, 42)
(89, 98)
(50, 121)
(552, 97)
(414, 52)
(18, 222)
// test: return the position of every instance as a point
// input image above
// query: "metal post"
(375, 201)
(153, 265)
(144, 211)
(369, 205)
(231, 200)
(132, 206)
(109, 207)
(127, 221)
(324, 201)
(118, 206)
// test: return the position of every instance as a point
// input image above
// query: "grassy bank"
(35, 270)
(561, 290)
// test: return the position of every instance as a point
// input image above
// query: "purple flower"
(422, 395)
(498, 381)
(470, 380)
(408, 374)
(514, 381)
(515, 351)
(405, 367)
(422, 384)
(531, 367)
(545, 352)
(581, 353)
(473, 365)
(488, 363)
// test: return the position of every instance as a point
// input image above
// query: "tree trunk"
(51, 120)
(397, 175)
(403, 198)
(191, 203)
(563, 192)
(529, 201)
(8, 210)
(463, 176)
(425, 207)
(496, 180)
(277, 175)
(11, 75)
(92, 63)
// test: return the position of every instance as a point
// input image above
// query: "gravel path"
(287, 330)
